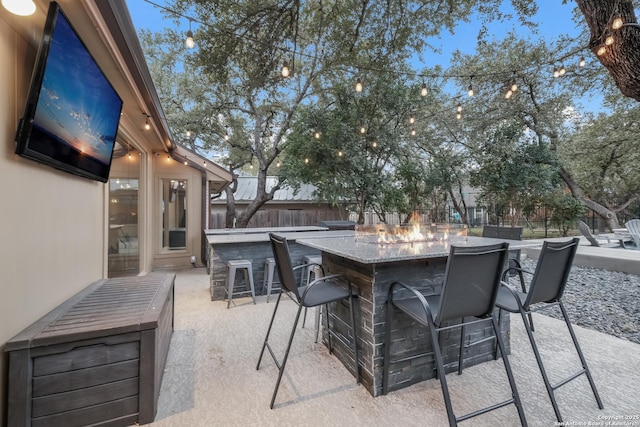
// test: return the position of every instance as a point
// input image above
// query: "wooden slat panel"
(82, 378)
(64, 402)
(91, 415)
(85, 357)
(19, 398)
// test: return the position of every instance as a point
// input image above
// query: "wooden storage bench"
(96, 359)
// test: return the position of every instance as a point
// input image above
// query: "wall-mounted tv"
(72, 112)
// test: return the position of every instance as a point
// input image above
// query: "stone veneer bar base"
(371, 282)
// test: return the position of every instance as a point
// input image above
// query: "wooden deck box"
(96, 359)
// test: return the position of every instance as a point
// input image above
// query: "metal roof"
(248, 187)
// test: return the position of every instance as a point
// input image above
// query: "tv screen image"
(72, 113)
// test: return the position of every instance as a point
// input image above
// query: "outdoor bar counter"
(371, 268)
(253, 244)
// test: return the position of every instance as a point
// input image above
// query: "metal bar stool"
(232, 267)
(269, 274)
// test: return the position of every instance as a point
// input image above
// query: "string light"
(508, 94)
(204, 164)
(556, 73)
(374, 144)
(363, 129)
(185, 161)
(340, 153)
(582, 61)
(617, 23)
(278, 164)
(147, 126)
(459, 108)
(562, 70)
(423, 90)
(470, 91)
(284, 72)
(458, 116)
(358, 85)
(226, 136)
(609, 40)
(317, 134)
(601, 51)
(413, 132)
(412, 119)
(189, 41)
(306, 161)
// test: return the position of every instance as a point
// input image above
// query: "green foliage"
(565, 210)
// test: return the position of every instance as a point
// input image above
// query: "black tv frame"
(43, 144)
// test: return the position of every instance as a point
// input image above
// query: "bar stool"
(232, 267)
(314, 267)
(269, 273)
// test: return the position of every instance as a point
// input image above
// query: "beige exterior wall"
(53, 223)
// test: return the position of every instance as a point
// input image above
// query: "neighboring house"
(288, 207)
(62, 232)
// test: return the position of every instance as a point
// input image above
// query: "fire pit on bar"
(384, 234)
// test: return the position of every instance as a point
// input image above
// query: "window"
(174, 214)
(124, 252)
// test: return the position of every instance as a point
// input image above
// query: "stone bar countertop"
(299, 228)
(218, 239)
(366, 249)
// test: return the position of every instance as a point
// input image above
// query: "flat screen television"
(72, 111)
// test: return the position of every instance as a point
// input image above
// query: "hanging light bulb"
(514, 86)
(562, 70)
(609, 40)
(147, 126)
(459, 108)
(317, 135)
(204, 164)
(278, 164)
(601, 51)
(617, 24)
(556, 73)
(423, 91)
(413, 132)
(339, 153)
(306, 161)
(508, 94)
(363, 129)
(188, 134)
(20, 7)
(582, 61)
(189, 41)
(470, 90)
(168, 158)
(458, 116)
(226, 136)
(374, 144)
(284, 72)
(412, 119)
(185, 161)
(358, 85)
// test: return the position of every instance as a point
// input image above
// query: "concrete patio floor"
(210, 377)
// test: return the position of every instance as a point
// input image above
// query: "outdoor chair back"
(471, 282)
(552, 271)
(284, 265)
(633, 227)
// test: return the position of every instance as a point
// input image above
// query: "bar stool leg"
(231, 278)
(248, 279)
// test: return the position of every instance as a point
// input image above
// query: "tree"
(622, 57)
(236, 99)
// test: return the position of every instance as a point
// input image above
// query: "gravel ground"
(605, 301)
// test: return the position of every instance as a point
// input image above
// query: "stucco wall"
(53, 224)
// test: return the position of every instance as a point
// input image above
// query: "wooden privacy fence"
(281, 218)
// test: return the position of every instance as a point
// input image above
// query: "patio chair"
(321, 291)
(633, 227)
(586, 232)
(472, 279)
(545, 290)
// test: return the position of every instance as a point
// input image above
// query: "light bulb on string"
(204, 164)
(556, 73)
(609, 40)
(189, 41)
(423, 90)
(617, 23)
(317, 134)
(413, 132)
(306, 161)
(339, 153)
(278, 164)
(147, 126)
(562, 70)
(470, 90)
(508, 94)
(374, 144)
(582, 61)
(185, 161)
(458, 116)
(459, 108)
(358, 85)
(514, 86)
(601, 51)
(412, 119)
(284, 71)
(363, 129)
(226, 136)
